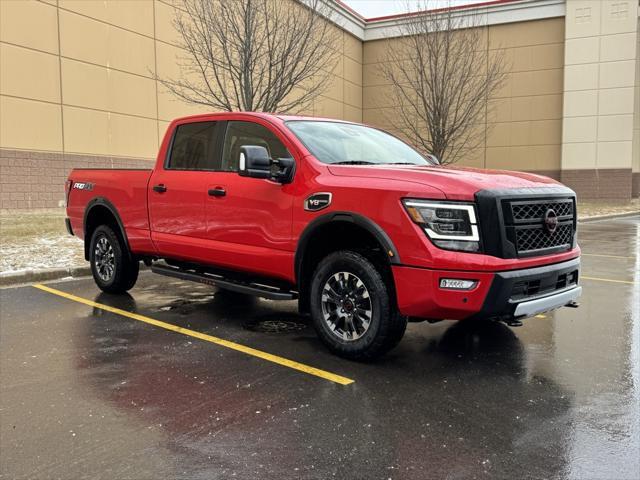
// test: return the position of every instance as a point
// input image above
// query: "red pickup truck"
(363, 230)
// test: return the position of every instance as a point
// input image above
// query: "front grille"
(525, 225)
(512, 221)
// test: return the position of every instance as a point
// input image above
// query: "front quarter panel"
(377, 200)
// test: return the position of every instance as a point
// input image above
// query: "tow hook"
(572, 304)
(508, 320)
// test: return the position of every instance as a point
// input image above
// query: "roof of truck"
(268, 116)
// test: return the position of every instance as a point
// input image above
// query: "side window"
(194, 147)
(247, 133)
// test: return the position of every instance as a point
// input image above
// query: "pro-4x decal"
(317, 201)
(83, 185)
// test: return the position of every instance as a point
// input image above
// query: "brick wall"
(555, 174)
(31, 179)
(603, 184)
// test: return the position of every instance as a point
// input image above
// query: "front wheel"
(113, 269)
(352, 309)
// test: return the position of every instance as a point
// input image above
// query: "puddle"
(185, 306)
(276, 326)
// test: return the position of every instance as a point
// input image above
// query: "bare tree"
(443, 75)
(253, 55)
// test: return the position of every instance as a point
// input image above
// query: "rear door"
(177, 191)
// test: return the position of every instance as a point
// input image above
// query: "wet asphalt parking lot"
(92, 390)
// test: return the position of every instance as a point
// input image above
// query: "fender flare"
(339, 216)
(103, 202)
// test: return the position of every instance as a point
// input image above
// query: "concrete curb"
(610, 216)
(34, 276)
(31, 276)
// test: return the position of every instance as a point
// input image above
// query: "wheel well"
(96, 216)
(331, 237)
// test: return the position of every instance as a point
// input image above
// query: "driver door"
(249, 220)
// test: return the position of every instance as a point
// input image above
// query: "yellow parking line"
(332, 377)
(607, 280)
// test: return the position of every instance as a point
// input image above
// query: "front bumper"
(501, 295)
(544, 304)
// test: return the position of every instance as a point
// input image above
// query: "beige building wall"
(343, 97)
(523, 128)
(600, 69)
(77, 89)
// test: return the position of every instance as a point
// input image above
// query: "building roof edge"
(494, 12)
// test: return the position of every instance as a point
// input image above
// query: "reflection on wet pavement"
(86, 393)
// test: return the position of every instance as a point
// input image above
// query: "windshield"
(351, 144)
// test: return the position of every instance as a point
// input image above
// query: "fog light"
(457, 284)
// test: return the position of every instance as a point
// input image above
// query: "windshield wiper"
(403, 163)
(353, 162)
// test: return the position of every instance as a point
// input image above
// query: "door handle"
(217, 192)
(160, 188)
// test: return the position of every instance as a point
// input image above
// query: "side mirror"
(255, 162)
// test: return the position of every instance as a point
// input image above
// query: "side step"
(235, 285)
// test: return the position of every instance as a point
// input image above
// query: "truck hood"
(457, 183)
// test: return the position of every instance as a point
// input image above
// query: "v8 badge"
(317, 201)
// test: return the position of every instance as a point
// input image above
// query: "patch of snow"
(54, 251)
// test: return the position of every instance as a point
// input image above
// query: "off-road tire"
(386, 326)
(125, 269)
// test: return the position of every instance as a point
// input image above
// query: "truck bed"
(123, 190)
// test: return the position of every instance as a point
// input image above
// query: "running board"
(259, 290)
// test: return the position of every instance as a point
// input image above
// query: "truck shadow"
(480, 340)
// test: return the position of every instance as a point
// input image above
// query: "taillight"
(67, 190)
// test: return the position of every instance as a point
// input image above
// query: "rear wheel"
(113, 269)
(352, 309)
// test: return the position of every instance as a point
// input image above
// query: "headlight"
(452, 226)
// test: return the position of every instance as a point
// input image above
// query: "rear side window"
(194, 147)
(240, 134)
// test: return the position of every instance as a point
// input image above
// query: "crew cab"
(364, 231)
